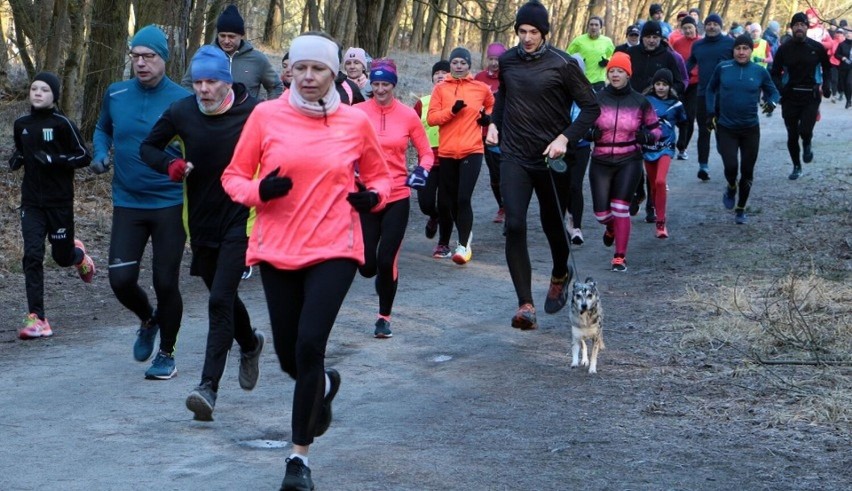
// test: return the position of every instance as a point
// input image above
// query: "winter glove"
(363, 200)
(593, 134)
(711, 122)
(767, 107)
(272, 186)
(458, 106)
(417, 178)
(177, 170)
(16, 161)
(603, 63)
(644, 137)
(43, 157)
(100, 166)
(484, 119)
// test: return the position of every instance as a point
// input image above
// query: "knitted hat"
(153, 38)
(744, 39)
(620, 60)
(534, 14)
(357, 54)
(696, 10)
(441, 66)
(682, 14)
(495, 49)
(384, 70)
(774, 26)
(736, 29)
(654, 8)
(462, 53)
(315, 48)
(633, 30)
(799, 17)
(652, 28)
(714, 17)
(753, 27)
(231, 21)
(52, 81)
(210, 63)
(688, 20)
(663, 75)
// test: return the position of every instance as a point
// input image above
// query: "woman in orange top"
(307, 236)
(460, 107)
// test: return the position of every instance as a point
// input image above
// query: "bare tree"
(375, 21)
(71, 69)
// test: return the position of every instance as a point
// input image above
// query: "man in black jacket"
(210, 123)
(531, 123)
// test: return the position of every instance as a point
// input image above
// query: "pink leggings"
(657, 171)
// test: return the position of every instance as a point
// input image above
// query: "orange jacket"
(460, 135)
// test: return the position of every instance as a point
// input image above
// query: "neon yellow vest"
(431, 131)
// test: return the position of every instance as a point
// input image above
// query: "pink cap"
(495, 49)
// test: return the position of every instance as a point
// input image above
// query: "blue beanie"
(152, 38)
(210, 63)
(384, 70)
(231, 21)
(714, 17)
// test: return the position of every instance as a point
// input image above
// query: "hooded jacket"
(250, 68)
(623, 113)
(460, 134)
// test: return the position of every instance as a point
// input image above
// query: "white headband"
(315, 48)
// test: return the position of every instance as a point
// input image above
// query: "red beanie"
(620, 60)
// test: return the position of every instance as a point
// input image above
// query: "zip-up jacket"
(128, 112)
(646, 63)
(209, 142)
(314, 222)
(250, 68)
(532, 105)
(670, 112)
(736, 89)
(623, 112)
(799, 67)
(49, 131)
(706, 53)
(460, 134)
(844, 50)
(683, 46)
(396, 125)
(592, 51)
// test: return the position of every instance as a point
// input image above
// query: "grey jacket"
(250, 68)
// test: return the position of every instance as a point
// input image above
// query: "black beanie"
(654, 8)
(663, 74)
(534, 14)
(652, 28)
(744, 39)
(462, 53)
(799, 17)
(441, 66)
(231, 21)
(688, 20)
(52, 81)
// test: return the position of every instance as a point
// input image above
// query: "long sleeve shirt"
(736, 89)
(706, 53)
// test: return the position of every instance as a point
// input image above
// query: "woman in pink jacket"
(307, 236)
(396, 125)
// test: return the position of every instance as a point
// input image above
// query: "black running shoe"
(383, 329)
(807, 153)
(201, 401)
(325, 416)
(608, 237)
(297, 477)
(431, 227)
(797, 173)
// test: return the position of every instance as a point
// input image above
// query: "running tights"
(738, 149)
(576, 175)
(458, 177)
(434, 208)
(657, 171)
(612, 187)
(383, 233)
(799, 118)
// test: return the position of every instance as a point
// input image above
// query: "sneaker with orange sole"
(524, 318)
(35, 328)
(86, 268)
(662, 233)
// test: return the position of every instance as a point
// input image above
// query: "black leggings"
(738, 149)
(303, 305)
(492, 160)
(576, 175)
(799, 118)
(383, 233)
(458, 178)
(686, 128)
(431, 206)
(703, 131)
(613, 182)
(221, 269)
(57, 224)
(845, 83)
(517, 184)
(131, 229)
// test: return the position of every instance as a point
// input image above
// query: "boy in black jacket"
(49, 147)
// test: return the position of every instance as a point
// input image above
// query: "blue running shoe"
(143, 348)
(728, 197)
(163, 367)
(740, 217)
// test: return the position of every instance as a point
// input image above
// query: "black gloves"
(272, 186)
(16, 161)
(644, 137)
(603, 63)
(484, 119)
(593, 134)
(363, 200)
(767, 107)
(458, 106)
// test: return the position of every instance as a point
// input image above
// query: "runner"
(596, 49)
(683, 46)
(735, 89)
(357, 69)
(538, 83)
(396, 125)
(491, 77)
(307, 237)
(146, 204)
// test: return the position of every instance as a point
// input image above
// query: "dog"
(586, 323)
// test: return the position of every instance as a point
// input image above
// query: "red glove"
(177, 170)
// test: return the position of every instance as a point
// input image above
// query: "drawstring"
(324, 114)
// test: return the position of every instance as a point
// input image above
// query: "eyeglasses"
(144, 56)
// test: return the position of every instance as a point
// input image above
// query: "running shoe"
(650, 215)
(35, 328)
(524, 318)
(797, 173)
(576, 236)
(383, 330)
(682, 155)
(297, 477)
(807, 153)
(247, 272)
(462, 255)
(162, 368)
(325, 416)
(608, 236)
(704, 172)
(636, 202)
(250, 364)
(442, 252)
(143, 348)
(661, 232)
(86, 268)
(431, 227)
(740, 217)
(728, 197)
(500, 217)
(201, 401)
(619, 264)
(557, 294)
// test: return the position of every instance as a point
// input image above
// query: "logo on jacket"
(47, 134)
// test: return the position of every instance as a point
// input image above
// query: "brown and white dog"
(586, 323)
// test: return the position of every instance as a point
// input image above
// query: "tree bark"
(196, 27)
(375, 21)
(71, 69)
(22, 15)
(53, 42)
(214, 10)
(449, 41)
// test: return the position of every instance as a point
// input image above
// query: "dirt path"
(457, 399)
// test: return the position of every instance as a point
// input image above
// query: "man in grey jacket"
(248, 66)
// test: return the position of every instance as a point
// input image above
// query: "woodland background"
(86, 41)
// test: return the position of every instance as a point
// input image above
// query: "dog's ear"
(590, 281)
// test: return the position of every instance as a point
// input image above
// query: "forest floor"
(457, 399)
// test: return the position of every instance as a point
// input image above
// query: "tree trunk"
(449, 42)
(418, 16)
(767, 12)
(106, 63)
(196, 27)
(5, 85)
(71, 70)
(373, 21)
(313, 15)
(22, 15)
(53, 43)
(272, 26)
(214, 10)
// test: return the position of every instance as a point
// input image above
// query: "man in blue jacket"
(146, 204)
